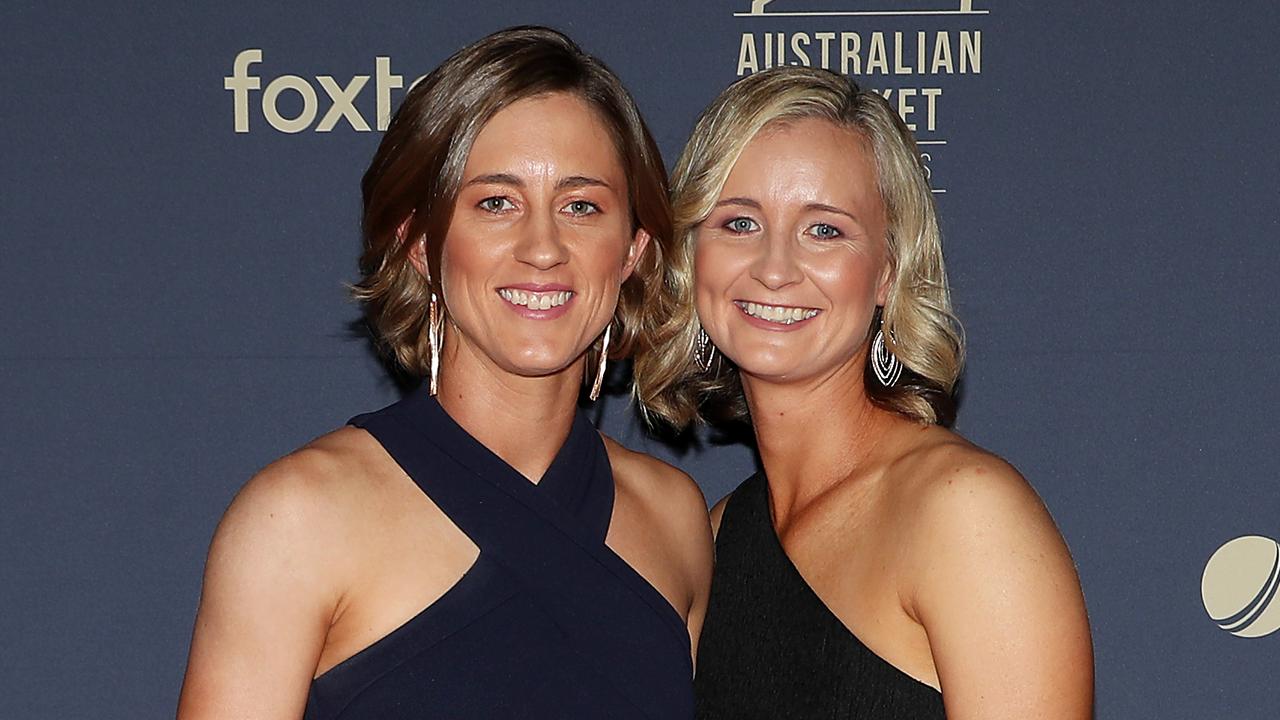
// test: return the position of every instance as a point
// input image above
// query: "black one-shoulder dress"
(770, 647)
(548, 622)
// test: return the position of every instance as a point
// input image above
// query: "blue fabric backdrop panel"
(175, 312)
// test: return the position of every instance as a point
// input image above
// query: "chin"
(778, 367)
(766, 359)
(538, 361)
(776, 378)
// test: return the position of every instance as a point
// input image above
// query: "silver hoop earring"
(604, 356)
(705, 352)
(433, 337)
(886, 366)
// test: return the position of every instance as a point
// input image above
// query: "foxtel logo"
(341, 98)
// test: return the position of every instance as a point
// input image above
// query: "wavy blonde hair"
(410, 186)
(920, 328)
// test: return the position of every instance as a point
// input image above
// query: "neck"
(812, 434)
(523, 420)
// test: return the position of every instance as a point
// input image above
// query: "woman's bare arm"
(268, 597)
(999, 597)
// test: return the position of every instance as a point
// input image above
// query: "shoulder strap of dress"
(741, 519)
(443, 479)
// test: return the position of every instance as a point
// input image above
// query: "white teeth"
(777, 313)
(535, 301)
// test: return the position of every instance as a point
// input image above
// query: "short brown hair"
(417, 170)
(920, 327)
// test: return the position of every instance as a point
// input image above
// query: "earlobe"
(639, 244)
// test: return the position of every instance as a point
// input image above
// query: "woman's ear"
(417, 249)
(639, 244)
(888, 274)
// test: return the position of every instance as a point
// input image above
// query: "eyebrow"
(496, 179)
(748, 202)
(572, 181)
(578, 181)
(832, 209)
(745, 202)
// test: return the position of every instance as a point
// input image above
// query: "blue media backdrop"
(175, 315)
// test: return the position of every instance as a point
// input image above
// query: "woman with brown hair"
(880, 566)
(478, 549)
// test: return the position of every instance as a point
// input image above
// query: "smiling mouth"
(535, 300)
(781, 314)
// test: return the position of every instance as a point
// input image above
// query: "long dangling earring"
(433, 337)
(705, 352)
(886, 366)
(604, 356)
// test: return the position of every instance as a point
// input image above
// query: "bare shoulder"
(285, 539)
(308, 483)
(668, 530)
(277, 569)
(975, 519)
(671, 506)
(662, 487)
(950, 483)
(992, 582)
(296, 507)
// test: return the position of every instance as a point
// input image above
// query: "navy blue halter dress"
(548, 622)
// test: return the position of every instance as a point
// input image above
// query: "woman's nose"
(540, 243)
(775, 264)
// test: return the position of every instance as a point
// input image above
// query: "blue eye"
(582, 207)
(741, 225)
(823, 231)
(496, 204)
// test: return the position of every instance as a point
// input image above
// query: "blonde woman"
(880, 566)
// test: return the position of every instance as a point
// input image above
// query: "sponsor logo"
(1239, 586)
(911, 56)
(303, 102)
(758, 8)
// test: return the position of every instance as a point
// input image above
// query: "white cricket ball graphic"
(1239, 586)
